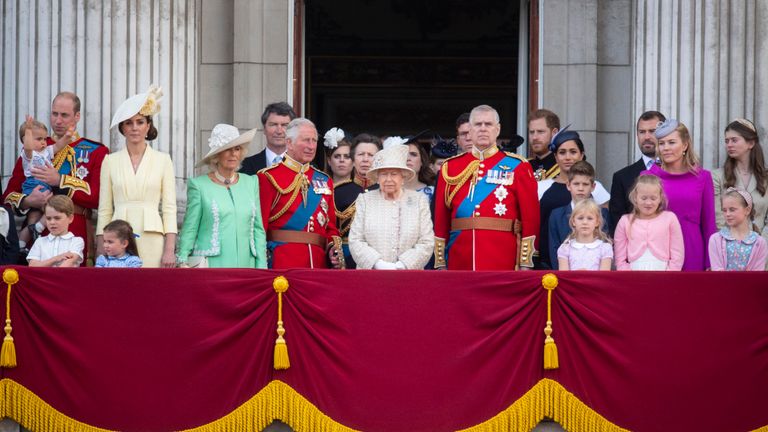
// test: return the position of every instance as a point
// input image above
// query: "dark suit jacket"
(623, 180)
(559, 229)
(252, 164)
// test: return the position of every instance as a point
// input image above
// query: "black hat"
(443, 149)
(513, 143)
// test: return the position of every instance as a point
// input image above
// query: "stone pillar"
(586, 76)
(104, 52)
(704, 63)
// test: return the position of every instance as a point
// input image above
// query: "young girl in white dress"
(587, 247)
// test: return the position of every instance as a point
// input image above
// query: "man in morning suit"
(486, 204)
(297, 205)
(274, 120)
(624, 179)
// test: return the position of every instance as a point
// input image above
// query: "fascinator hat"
(443, 149)
(564, 135)
(392, 157)
(666, 127)
(332, 137)
(224, 137)
(147, 104)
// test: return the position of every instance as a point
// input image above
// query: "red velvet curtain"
(158, 350)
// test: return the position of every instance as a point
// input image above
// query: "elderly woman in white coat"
(392, 228)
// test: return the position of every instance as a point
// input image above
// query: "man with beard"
(543, 124)
(624, 179)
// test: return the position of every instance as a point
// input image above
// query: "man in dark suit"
(624, 179)
(274, 120)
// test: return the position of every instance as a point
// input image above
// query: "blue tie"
(277, 160)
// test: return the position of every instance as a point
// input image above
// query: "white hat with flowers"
(147, 104)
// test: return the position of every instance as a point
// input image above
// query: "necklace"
(222, 179)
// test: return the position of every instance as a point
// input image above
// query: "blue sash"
(301, 216)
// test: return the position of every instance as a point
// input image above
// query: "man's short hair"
(277, 108)
(292, 131)
(650, 115)
(34, 124)
(71, 96)
(484, 108)
(582, 168)
(550, 118)
(464, 118)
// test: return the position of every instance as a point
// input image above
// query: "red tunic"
(80, 167)
(476, 205)
(297, 198)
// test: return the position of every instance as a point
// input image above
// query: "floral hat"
(394, 156)
(147, 104)
(224, 137)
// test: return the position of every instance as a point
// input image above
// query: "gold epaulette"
(517, 156)
(552, 172)
(265, 169)
(74, 184)
(14, 199)
(335, 185)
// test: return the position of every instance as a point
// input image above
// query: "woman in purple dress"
(689, 190)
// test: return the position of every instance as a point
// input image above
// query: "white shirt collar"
(271, 156)
(66, 236)
(646, 160)
(591, 245)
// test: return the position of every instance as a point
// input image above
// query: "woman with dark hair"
(136, 180)
(689, 191)
(744, 169)
(338, 156)
(418, 161)
(553, 193)
(364, 147)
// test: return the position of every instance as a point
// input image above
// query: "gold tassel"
(281, 360)
(8, 351)
(551, 361)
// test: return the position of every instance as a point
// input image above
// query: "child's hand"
(66, 139)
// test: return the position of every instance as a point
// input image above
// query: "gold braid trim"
(459, 180)
(67, 153)
(278, 401)
(547, 399)
(33, 413)
(342, 217)
(293, 187)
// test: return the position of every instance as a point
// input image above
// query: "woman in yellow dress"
(138, 183)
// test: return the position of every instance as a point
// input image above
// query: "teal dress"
(224, 224)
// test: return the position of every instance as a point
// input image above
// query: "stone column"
(704, 63)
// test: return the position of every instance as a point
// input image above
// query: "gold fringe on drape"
(547, 399)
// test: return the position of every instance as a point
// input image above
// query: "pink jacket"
(717, 253)
(661, 235)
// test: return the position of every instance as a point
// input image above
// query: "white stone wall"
(704, 62)
(587, 75)
(104, 52)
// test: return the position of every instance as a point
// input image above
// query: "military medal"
(324, 205)
(80, 156)
(500, 209)
(81, 172)
(321, 219)
(501, 193)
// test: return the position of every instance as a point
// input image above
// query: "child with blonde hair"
(587, 247)
(737, 246)
(649, 238)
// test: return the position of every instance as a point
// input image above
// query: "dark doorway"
(396, 67)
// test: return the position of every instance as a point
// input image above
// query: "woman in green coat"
(222, 225)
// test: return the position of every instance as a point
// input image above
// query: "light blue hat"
(666, 127)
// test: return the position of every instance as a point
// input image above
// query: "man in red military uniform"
(76, 171)
(297, 205)
(486, 204)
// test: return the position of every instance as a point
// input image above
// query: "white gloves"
(385, 265)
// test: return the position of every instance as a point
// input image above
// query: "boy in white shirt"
(60, 248)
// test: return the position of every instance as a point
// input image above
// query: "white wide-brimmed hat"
(224, 137)
(147, 104)
(392, 157)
